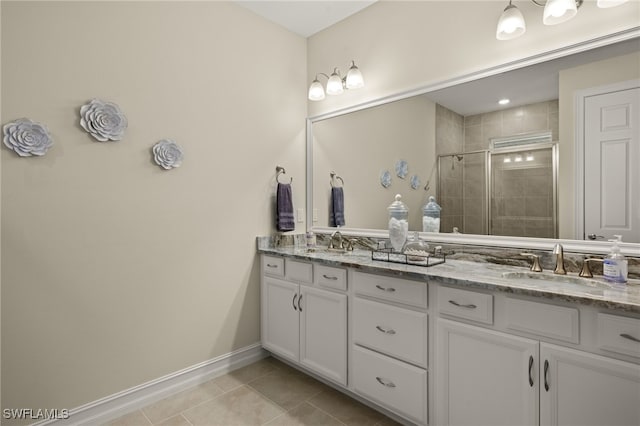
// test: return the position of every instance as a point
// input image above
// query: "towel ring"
(281, 171)
(335, 177)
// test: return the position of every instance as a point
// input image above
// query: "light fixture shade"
(334, 85)
(511, 24)
(604, 4)
(559, 11)
(316, 91)
(354, 77)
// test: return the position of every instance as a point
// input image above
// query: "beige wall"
(402, 45)
(360, 146)
(614, 70)
(116, 272)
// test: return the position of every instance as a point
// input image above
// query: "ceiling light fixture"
(511, 23)
(336, 84)
(504, 101)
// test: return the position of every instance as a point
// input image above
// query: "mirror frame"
(580, 246)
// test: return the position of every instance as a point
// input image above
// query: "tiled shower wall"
(462, 181)
(450, 139)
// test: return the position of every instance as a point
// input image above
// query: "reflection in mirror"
(446, 138)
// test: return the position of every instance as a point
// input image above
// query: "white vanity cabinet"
(580, 388)
(301, 320)
(510, 367)
(389, 343)
(483, 377)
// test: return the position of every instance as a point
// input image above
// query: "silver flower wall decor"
(167, 154)
(103, 120)
(27, 138)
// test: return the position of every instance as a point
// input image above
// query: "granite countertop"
(595, 292)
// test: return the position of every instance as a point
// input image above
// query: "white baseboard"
(116, 405)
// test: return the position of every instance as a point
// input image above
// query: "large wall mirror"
(493, 168)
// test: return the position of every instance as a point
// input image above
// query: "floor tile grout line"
(182, 413)
(327, 413)
(145, 416)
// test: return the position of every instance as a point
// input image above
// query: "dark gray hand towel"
(337, 206)
(284, 208)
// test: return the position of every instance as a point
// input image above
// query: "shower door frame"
(488, 177)
(554, 172)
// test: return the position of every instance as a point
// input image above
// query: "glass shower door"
(523, 197)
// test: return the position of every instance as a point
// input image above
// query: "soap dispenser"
(615, 265)
(398, 223)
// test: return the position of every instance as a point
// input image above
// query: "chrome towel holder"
(334, 178)
(281, 171)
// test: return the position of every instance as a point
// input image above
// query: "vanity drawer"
(398, 332)
(466, 304)
(542, 319)
(391, 383)
(393, 289)
(330, 277)
(299, 271)
(619, 334)
(272, 265)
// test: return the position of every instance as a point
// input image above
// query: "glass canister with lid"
(398, 223)
(431, 216)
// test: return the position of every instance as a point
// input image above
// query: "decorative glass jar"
(398, 223)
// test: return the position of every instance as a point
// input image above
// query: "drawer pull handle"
(530, 370)
(389, 289)
(271, 265)
(546, 371)
(387, 383)
(630, 337)
(329, 277)
(294, 301)
(386, 330)
(299, 303)
(470, 306)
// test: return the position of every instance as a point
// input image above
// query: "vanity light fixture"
(504, 101)
(511, 23)
(529, 157)
(336, 84)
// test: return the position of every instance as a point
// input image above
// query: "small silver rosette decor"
(167, 154)
(103, 120)
(26, 137)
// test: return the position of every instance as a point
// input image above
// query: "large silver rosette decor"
(26, 137)
(103, 120)
(167, 154)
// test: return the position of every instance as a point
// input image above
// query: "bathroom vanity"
(457, 343)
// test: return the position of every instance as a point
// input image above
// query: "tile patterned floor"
(267, 392)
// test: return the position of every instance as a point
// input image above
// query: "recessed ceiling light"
(504, 101)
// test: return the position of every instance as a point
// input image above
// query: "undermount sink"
(539, 277)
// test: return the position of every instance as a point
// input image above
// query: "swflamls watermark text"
(35, 413)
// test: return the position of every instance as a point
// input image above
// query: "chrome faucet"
(559, 252)
(336, 236)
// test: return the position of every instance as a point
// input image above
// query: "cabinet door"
(578, 388)
(280, 318)
(323, 333)
(485, 377)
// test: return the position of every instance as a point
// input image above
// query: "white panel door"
(280, 318)
(323, 333)
(611, 159)
(485, 377)
(579, 388)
